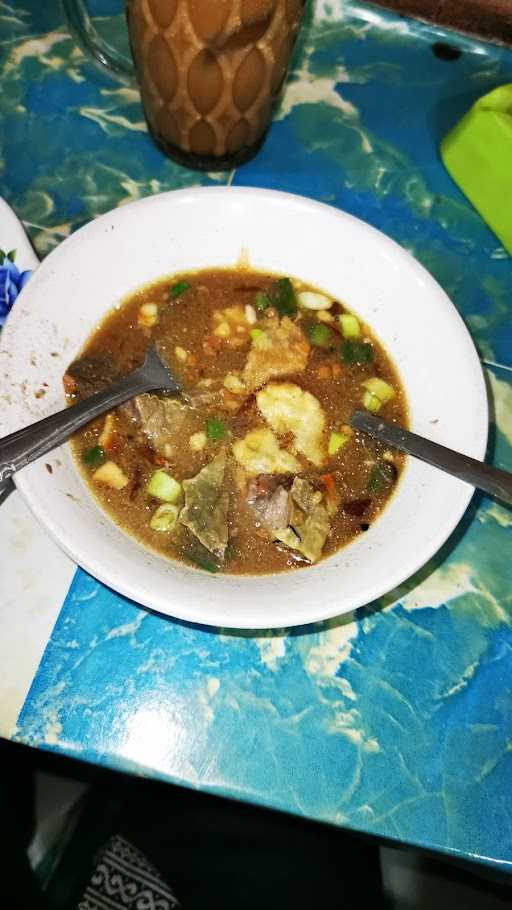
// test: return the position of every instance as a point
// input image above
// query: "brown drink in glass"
(209, 73)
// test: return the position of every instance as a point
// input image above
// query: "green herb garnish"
(283, 297)
(382, 476)
(94, 457)
(207, 564)
(177, 289)
(164, 518)
(215, 428)
(230, 552)
(356, 352)
(262, 301)
(163, 487)
(319, 334)
(255, 334)
(350, 326)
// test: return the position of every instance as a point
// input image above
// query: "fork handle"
(22, 447)
(487, 478)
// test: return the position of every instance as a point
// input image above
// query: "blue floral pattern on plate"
(12, 281)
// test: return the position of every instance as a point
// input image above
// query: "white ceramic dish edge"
(268, 601)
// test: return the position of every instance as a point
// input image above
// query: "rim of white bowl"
(329, 609)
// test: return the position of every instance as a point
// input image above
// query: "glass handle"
(107, 58)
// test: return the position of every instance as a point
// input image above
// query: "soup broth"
(259, 472)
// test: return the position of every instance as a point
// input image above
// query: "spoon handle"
(492, 480)
(22, 447)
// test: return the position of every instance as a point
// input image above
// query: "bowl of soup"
(249, 501)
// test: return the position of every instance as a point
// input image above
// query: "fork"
(491, 480)
(23, 447)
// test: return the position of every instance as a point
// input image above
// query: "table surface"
(396, 721)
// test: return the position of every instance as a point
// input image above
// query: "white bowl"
(421, 329)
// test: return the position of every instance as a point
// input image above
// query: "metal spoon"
(22, 447)
(492, 480)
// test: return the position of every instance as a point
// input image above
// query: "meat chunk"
(207, 398)
(259, 453)
(296, 517)
(265, 484)
(305, 495)
(272, 509)
(289, 409)
(93, 372)
(162, 421)
(205, 512)
(281, 350)
(211, 401)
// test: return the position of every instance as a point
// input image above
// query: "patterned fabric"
(123, 878)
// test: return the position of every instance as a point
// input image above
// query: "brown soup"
(260, 471)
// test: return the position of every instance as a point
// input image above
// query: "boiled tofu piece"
(231, 324)
(198, 441)
(148, 315)
(280, 350)
(289, 409)
(111, 475)
(259, 453)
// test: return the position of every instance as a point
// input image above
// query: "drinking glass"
(209, 71)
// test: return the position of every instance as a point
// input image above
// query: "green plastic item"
(477, 153)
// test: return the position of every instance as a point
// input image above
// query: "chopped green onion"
(256, 333)
(177, 289)
(377, 393)
(383, 475)
(311, 300)
(262, 301)
(164, 487)
(215, 428)
(371, 402)
(230, 552)
(380, 388)
(320, 335)
(336, 442)
(356, 351)
(207, 564)
(94, 457)
(165, 517)
(283, 297)
(350, 326)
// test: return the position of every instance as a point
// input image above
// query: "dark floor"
(214, 852)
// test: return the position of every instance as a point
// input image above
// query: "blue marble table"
(396, 721)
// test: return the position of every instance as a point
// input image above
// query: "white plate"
(89, 273)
